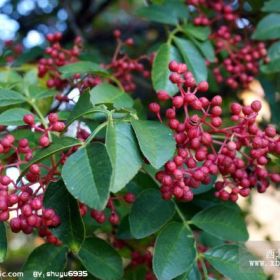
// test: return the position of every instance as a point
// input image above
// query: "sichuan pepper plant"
(116, 194)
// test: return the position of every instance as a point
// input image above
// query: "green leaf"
(13, 116)
(39, 93)
(10, 97)
(100, 259)
(82, 107)
(271, 6)
(192, 58)
(10, 77)
(87, 175)
(209, 240)
(174, 251)
(268, 28)
(149, 213)
(223, 222)
(272, 67)
(194, 274)
(108, 94)
(3, 242)
(274, 54)
(155, 140)
(169, 12)
(198, 32)
(58, 145)
(207, 50)
(30, 77)
(44, 259)
(123, 151)
(274, 50)
(160, 70)
(71, 231)
(124, 231)
(82, 67)
(227, 260)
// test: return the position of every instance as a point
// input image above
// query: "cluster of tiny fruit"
(237, 153)
(58, 56)
(122, 67)
(243, 62)
(138, 258)
(244, 55)
(21, 203)
(221, 11)
(143, 259)
(100, 216)
(12, 50)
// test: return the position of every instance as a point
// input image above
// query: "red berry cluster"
(242, 64)
(123, 66)
(244, 56)
(238, 153)
(21, 203)
(53, 125)
(58, 56)
(100, 216)
(13, 50)
(138, 258)
(143, 259)
(221, 11)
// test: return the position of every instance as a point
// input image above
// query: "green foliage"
(228, 258)
(160, 71)
(222, 221)
(44, 259)
(71, 230)
(174, 251)
(82, 67)
(192, 58)
(123, 151)
(149, 213)
(13, 116)
(100, 259)
(167, 12)
(87, 175)
(3, 242)
(268, 28)
(108, 94)
(58, 145)
(10, 97)
(155, 141)
(271, 6)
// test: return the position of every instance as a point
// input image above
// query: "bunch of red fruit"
(237, 153)
(100, 216)
(244, 55)
(13, 50)
(58, 56)
(243, 62)
(123, 66)
(221, 11)
(21, 203)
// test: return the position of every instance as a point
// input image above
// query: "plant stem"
(181, 215)
(173, 33)
(93, 134)
(204, 269)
